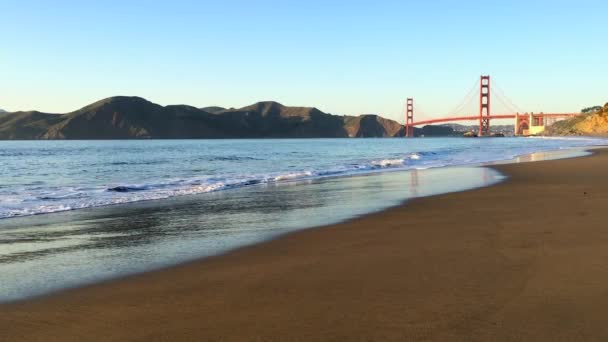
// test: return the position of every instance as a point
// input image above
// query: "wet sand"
(523, 260)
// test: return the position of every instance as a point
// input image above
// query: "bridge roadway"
(492, 117)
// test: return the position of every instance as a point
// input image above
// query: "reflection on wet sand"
(42, 253)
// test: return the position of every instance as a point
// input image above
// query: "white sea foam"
(38, 197)
(388, 163)
(128, 193)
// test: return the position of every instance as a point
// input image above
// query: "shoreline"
(424, 189)
(374, 167)
(396, 189)
(274, 262)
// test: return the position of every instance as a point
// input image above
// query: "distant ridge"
(371, 125)
(130, 117)
(213, 109)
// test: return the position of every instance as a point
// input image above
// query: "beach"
(526, 259)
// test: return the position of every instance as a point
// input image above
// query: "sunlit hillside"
(593, 122)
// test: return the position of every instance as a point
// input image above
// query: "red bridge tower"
(409, 118)
(484, 106)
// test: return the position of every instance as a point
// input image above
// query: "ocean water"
(76, 212)
(39, 177)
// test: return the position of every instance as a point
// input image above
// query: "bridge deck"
(492, 117)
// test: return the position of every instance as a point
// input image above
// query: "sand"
(523, 260)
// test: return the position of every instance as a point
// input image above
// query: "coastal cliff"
(594, 121)
(124, 117)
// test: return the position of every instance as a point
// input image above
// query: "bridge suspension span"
(524, 124)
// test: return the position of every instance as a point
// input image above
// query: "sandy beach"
(523, 260)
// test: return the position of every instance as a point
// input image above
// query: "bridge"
(524, 123)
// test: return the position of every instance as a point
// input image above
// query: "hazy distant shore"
(522, 260)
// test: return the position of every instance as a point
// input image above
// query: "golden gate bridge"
(524, 124)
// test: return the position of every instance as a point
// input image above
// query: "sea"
(79, 212)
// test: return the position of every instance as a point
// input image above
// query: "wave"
(33, 201)
(565, 138)
(129, 193)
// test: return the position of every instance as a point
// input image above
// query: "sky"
(343, 57)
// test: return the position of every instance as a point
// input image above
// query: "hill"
(371, 125)
(594, 121)
(123, 117)
(25, 125)
(213, 109)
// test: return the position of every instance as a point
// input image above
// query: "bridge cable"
(504, 103)
(495, 86)
(467, 99)
(419, 112)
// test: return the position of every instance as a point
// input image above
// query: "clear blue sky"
(344, 57)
